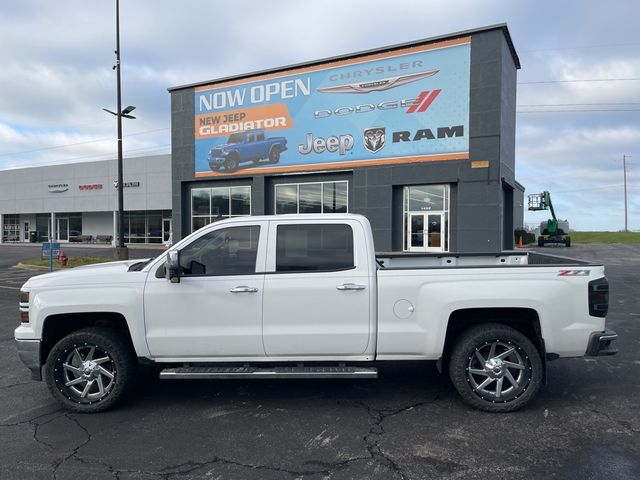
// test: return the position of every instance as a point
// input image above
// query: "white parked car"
(304, 296)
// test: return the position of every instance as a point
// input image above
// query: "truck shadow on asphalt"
(569, 384)
(397, 384)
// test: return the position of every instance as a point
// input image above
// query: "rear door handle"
(351, 286)
(243, 289)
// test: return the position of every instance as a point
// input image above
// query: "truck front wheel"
(89, 370)
(231, 163)
(495, 368)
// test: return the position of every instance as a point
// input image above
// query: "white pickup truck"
(304, 296)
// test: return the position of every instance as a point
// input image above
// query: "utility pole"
(624, 169)
(121, 252)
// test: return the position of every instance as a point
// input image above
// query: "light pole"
(121, 252)
(624, 170)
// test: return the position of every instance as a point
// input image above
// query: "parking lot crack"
(626, 426)
(15, 385)
(34, 419)
(376, 431)
(74, 452)
(324, 468)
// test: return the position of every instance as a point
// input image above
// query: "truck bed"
(408, 260)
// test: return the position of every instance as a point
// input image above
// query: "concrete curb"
(24, 266)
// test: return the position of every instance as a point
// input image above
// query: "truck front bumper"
(602, 343)
(215, 163)
(29, 353)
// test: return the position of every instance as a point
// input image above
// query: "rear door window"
(314, 247)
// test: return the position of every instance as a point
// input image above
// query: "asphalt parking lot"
(409, 424)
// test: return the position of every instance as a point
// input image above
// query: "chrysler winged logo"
(374, 139)
(378, 85)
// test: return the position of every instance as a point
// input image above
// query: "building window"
(426, 218)
(145, 226)
(212, 204)
(43, 227)
(11, 228)
(314, 197)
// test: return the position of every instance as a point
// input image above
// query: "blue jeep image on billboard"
(247, 146)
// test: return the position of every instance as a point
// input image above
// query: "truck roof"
(295, 216)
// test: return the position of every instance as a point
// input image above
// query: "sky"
(571, 133)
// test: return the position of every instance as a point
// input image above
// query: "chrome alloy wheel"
(86, 375)
(498, 371)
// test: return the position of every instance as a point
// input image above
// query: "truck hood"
(99, 273)
(224, 146)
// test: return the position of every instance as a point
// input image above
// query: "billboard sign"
(405, 106)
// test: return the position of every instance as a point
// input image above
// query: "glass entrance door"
(416, 232)
(63, 229)
(166, 230)
(426, 232)
(435, 232)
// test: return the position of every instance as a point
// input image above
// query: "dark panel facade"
(481, 189)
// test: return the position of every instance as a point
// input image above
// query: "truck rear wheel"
(89, 370)
(541, 241)
(567, 241)
(495, 368)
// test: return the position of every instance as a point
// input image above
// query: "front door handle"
(243, 289)
(351, 286)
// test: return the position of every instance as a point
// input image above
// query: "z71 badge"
(574, 273)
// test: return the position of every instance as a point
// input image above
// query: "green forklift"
(552, 230)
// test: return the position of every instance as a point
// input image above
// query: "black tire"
(524, 367)
(231, 163)
(541, 241)
(93, 390)
(274, 154)
(567, 241)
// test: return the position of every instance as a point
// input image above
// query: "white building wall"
(26, 190)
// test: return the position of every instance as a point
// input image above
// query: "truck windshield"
(235, 138)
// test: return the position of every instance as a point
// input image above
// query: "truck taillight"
(24, 307)
(599, 297)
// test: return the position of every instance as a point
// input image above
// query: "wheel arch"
(57, 326)
(524, 320)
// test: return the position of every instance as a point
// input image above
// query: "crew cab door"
(251, 148)
(216, 308)
(317, 290)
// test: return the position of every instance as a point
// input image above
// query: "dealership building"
(418, 137)
(78, 202)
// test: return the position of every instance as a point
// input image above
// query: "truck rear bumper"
(602, 343)
(29, 353)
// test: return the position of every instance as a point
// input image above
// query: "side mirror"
(172, 266)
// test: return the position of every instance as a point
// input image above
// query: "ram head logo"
(374, 139)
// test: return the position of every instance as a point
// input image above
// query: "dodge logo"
(374, 139)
